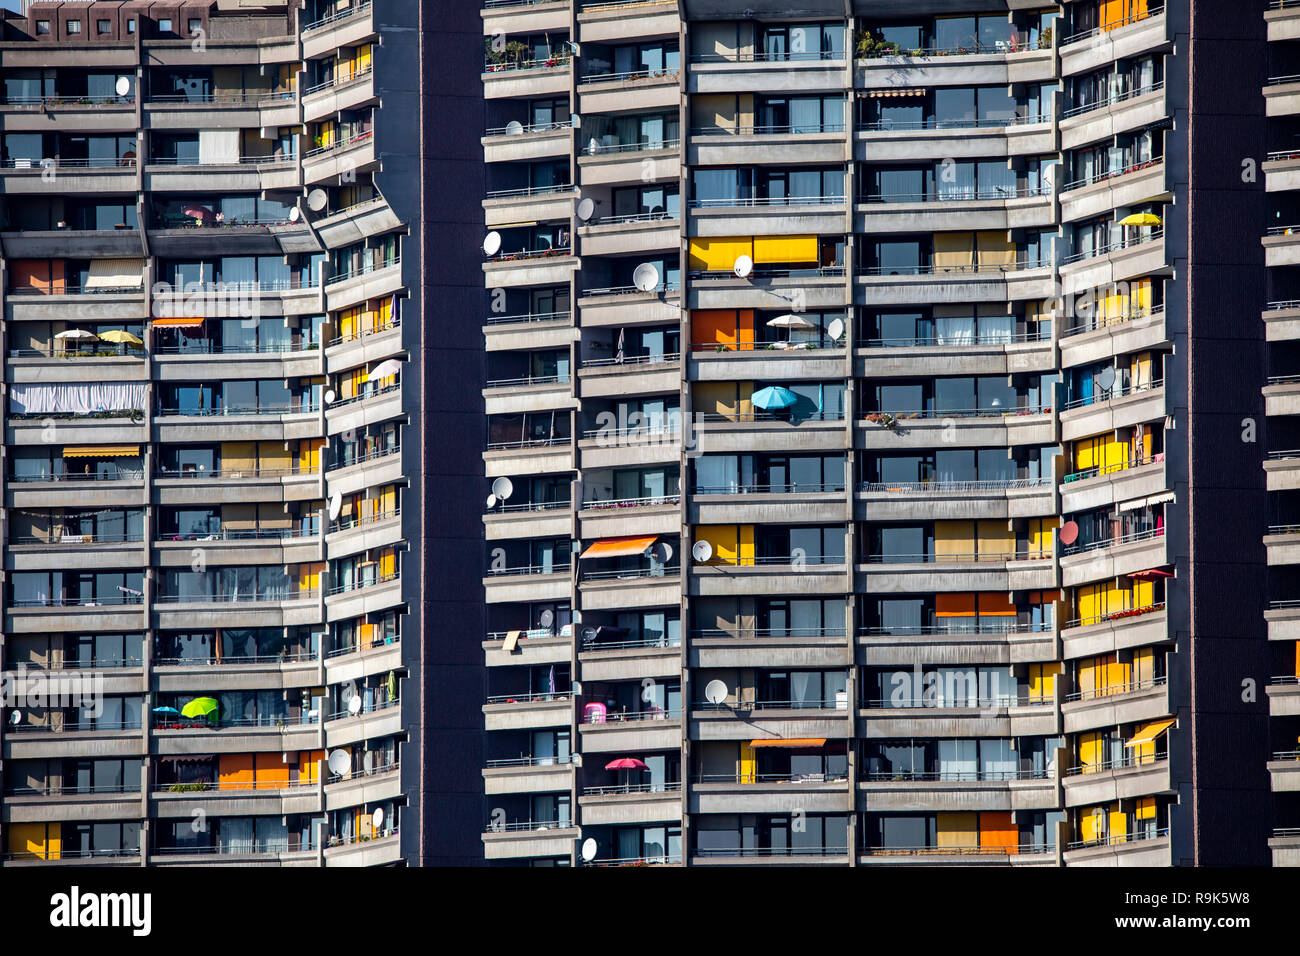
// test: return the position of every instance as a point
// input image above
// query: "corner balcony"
(1131, 185)
(746, 647)
(1115, 631)
(351, 224)
(1030, 570)
(1281, 170)
(979, 643)
(952, 791)
(1028, 135)
(819, 145)
(1284, 770)
(382, 850)
(540, 456)
(1122, 113)
(1283, 620)
(332, 164)
(956, 285)
(1282, 395)
(954, 500)
(1124, 779)
(1139, 701)
(1282, 470)
(630, 732)
(359, 787)
(531, 267)
(520, 16)
(1113, 410)
(770, 504)
(536, 203)
(1121, 39)
(1120, 261)
(619, 306)
(529, 520)
(1282, 544)
(977, 427)
(628, 590)
(1283, 696)
(631, 445)
(756, 216)
(1113, 557)
(528, 583)
(542, 330)
(1285, 842)
(236, 423)
(119, 303)
(1146, 849)
(815, 575)
(119, 243)
(770, 793)
(641, 233)
(1092, 338)
(528, 79)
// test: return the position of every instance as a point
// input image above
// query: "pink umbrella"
(626, 763)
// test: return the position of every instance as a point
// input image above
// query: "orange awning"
(789, 742)
(101, 451)
(177, 322)
(1149, 733)
(619, 547)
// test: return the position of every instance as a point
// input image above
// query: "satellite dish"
(377, 818)
(589, 635)
(16, 717)
(317, 200)
(546, 618)
(575, 47)
(336, 505)
(1106, 377)
(835, 329)
(702, 551)
(589, 850)
(744, 267)
(354, 704)
(492, 244)
(492, 501)
(715, 692)
(368, 763)
(575, 758)
(514, 128)
(661, 551)
(295, 214)
(646, 277)
(123, 86)
(1069, 532)
(575, 120)
(503, 488)
(339, 762)
(586, 209)
(329, 396)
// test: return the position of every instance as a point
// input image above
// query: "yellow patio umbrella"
(119, 336)
(1140, 219)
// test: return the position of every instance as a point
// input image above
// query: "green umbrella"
(200, 707)
(392, 687)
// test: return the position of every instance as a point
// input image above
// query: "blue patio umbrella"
(773, 397)
(166, 710)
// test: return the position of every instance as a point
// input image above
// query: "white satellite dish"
(646, 277)
(546, 618)
(317, 200)
(514, 128)
(377, 818)
(589, 850)
(16, 717)
(715, 692)
(295, 214)
(339, 762)
(744, 267)
(123, 86)
(491, 502)
(368, 763)
(575, 121)
(661, 551)
(575, 47)
(702, 551)
(835, 329)
(1106, 377)
(503, 488)
(586, 209)
(492, 244)
(329, 396)
(336, 505)
(354, 705)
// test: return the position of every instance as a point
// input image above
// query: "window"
(130, 26)
(103, 27)
(195, 26)
(74, 27)
(165, 25)
(42, 28)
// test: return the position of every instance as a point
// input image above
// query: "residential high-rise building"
(874, 435)
(223, 514)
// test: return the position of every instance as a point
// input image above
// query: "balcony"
(981, 65)
(1285, 843)
(775, 719)
(1121, 39)
(1113, 557)
(1129, 185)
(756, 73)
(1027, 207)
(637, 234)
(1144, 849)
(771, 793)
(820, 145)
(1026, 278)
(1283, 696)
(953, 791)
(1282, 170)
(1120, 261)
(631, 731)
(980, 642)
(529, 840)
(812, 574)
(980, 427)
(945, 500)
(1131, 110)
(1026, 854)
(628, 589)
(1115, 631)
(1139, 701)
(807, 503)
(1114, 409)
(985, 354)
(528, 79)
(1124, 482)
(1123, 779)
(69, 739)
(634, 375)
(742, 432)
(745, 647)
(972, 571)
(1027, 135)
(622, 517)
(528, 711)
(613, 164)
(631, 804)
(628, 91)
(528, 774)
(758, 216)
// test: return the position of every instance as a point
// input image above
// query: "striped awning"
(1149, 733)
(101, 451)
(115, 274)
(896, 91)
(789, 742)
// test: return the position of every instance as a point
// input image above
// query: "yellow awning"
(1149, 733)
(619, 547)
(790, 742)
(177, 322)
(101, 451)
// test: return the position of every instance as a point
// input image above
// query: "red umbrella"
(626, 763)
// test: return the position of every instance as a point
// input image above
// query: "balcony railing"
(1105, 174)
(631, 716)
(1093, 322)
(1124, 243)
(1145, 535)
(355, 9)
(528, 318)
(1154, 9)
(780, 488)
(1120, 763)
(931, 122)
(501, 64)
(950, 487)
(1111, 690)
(503, 762)
(883, 418)
(1111, 469)
(960, 195)
(671, 786)
(751, 633)
(957, 557)
(803, 129)
(954, 776)
(529, 569)
(1114, 615)
(1113, 99)
(263, 597)
(1106, 395)
(1018, 265)
(614, 504)
(1013, 850)
(767, 201)
(1119, 839)
(630, 574)
(594, 148)
(553, 696)
(997, 625)
(961, 339)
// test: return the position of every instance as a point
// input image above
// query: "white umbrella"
(76, 334)
(384, 369)
(791, 321)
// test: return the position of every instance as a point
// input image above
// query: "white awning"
(115, 274)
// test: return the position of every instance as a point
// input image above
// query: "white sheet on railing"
(76, 399)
